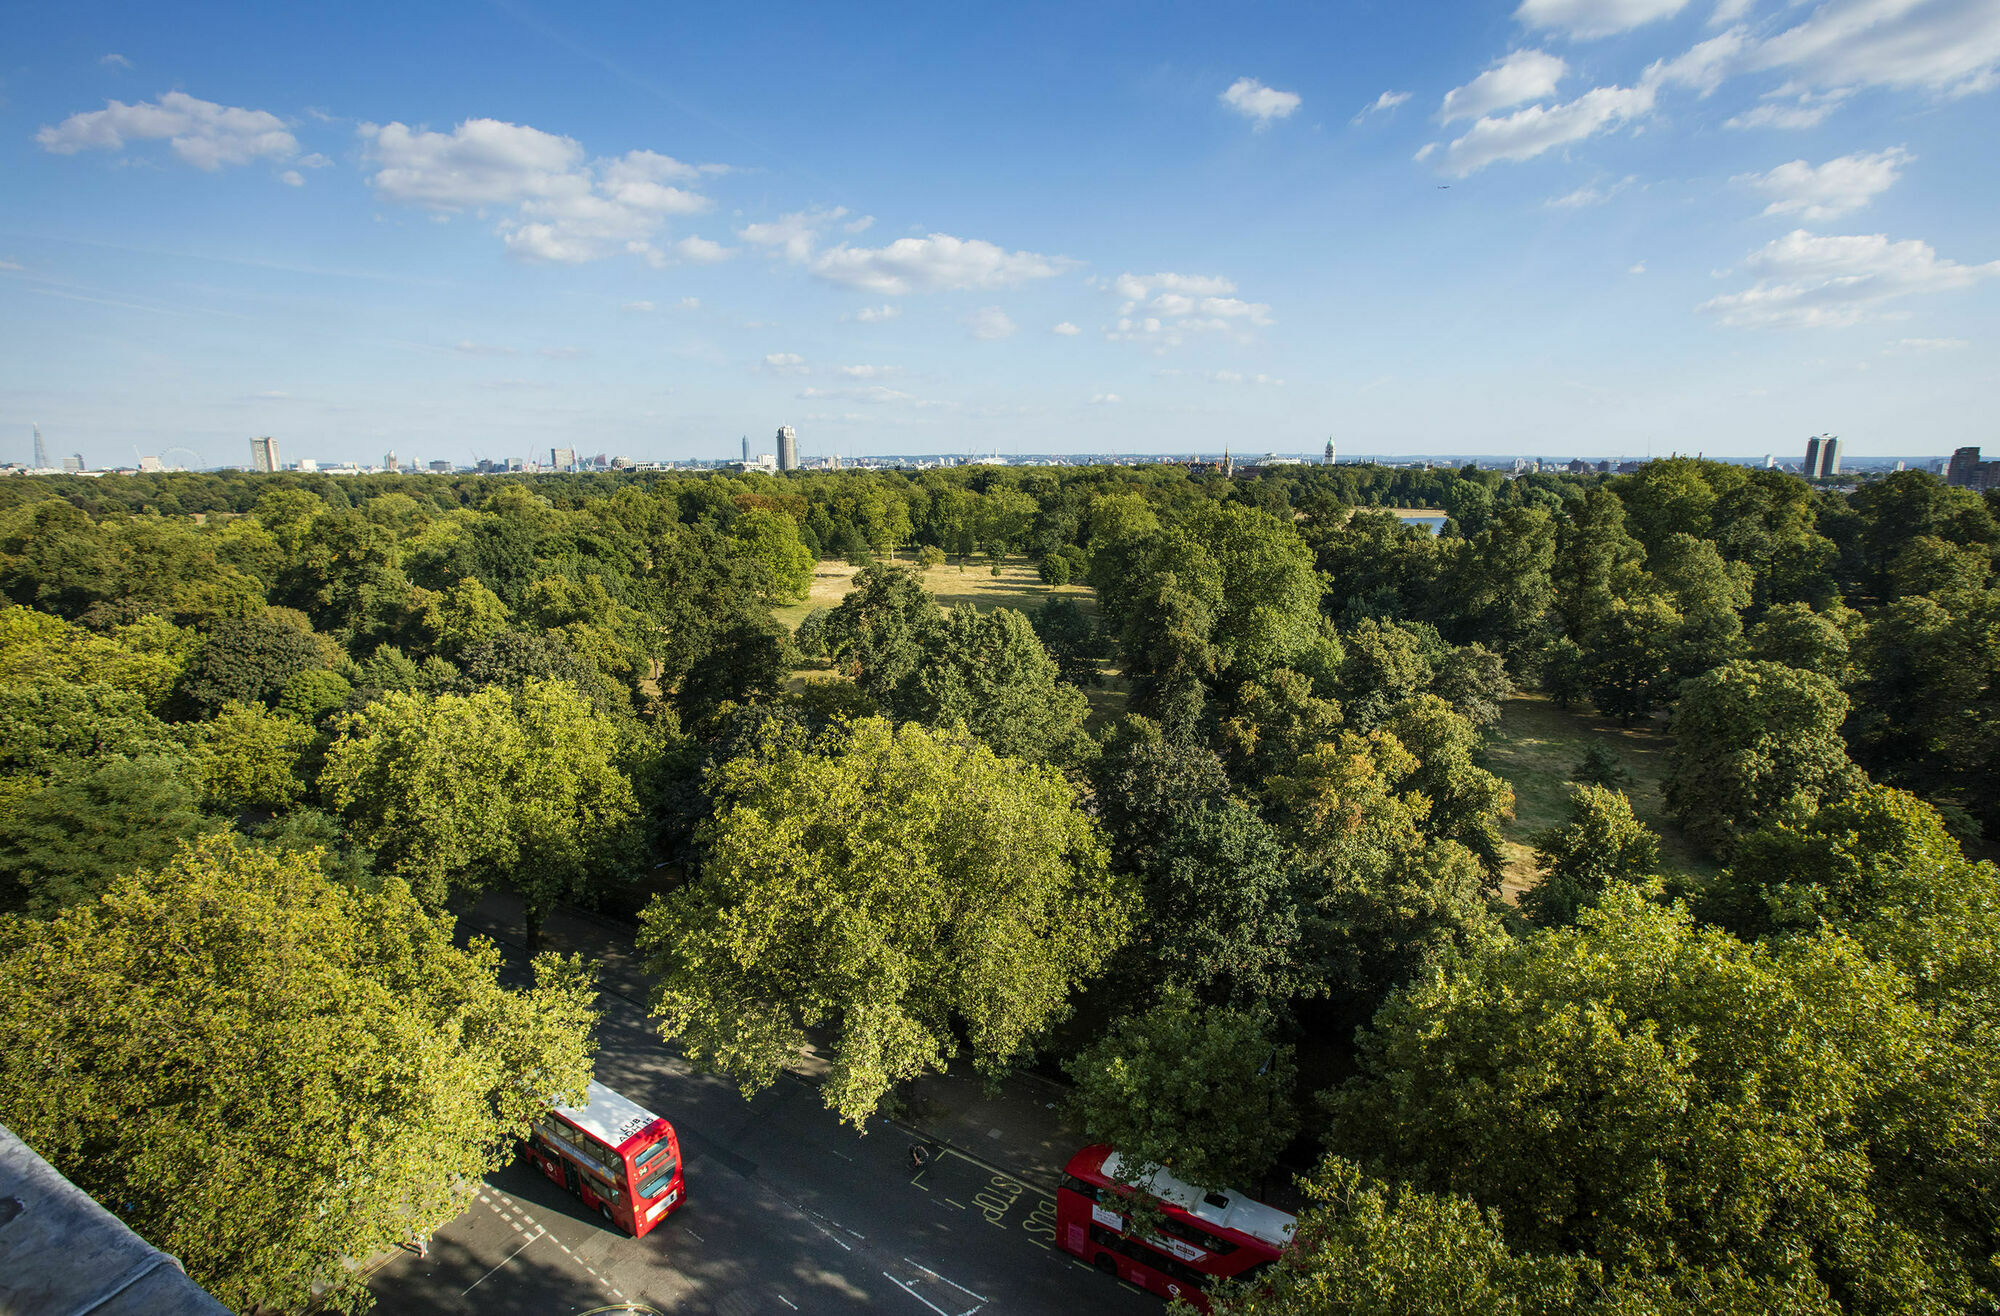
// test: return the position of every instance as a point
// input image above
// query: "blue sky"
(1604, 227)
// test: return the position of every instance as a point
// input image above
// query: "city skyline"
(1582, 227)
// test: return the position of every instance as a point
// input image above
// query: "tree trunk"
(534, 914)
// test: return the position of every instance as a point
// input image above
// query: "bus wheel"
(604, 1209)
(1107, 1263)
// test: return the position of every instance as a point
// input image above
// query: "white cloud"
(1066, 329)
(1950, 46)
(878, 394)
(1904, 346)
(1105, 399)
(115, 61)
(1595, 18)
(1161, 310)
(1528, 133)
(861, 225)
(201, 133)
(315, 161)
(689, 303)
(937, 263)
(874, 314)
(1788, 107)
(1805, 281)
(292, 178)
(1382, 104)
(700, 251)
(470, 348)
(1640, 268)
(1590, 194)
(1259, 103)
(795, 234)
(1834, 188)
(785, 363)
(1223, 377)
(10, 266)
(638, 307)
(565, 210)
(990, 323)
(870, 372)
(1525, 75)
(1730, 12)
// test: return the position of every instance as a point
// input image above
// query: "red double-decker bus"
(1205, 1236)
(620, 1158)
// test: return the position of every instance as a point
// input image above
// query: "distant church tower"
(1228, 465)
(1329, 450)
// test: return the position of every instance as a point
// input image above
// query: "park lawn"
(1534, 748)
(1017, 586)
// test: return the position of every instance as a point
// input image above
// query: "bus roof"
(1267, 1224)
(609, 1117)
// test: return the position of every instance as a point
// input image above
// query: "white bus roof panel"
(1238, 1212)
(610, 1118)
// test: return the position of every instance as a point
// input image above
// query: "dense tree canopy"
(237, 999)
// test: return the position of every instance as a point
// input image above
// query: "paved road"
(787, 1211)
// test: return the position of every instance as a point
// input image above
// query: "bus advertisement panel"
(1203, 1238)
(620, 1158)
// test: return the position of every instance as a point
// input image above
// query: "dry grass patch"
(1535, 747)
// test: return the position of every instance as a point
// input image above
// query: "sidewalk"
(1015, 1126)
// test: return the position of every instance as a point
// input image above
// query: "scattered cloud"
(1223, 377)
(874, 314)
(794, 235)
(201, 133)
(1919, 345)
(1806, 281)
(1105, 399)
(115, 61)
(1788, 107)
(1640, 268)
(565, 209)
(877, 394)
(990, 323)
(470, 348)
(1946, 46)
(1259, 103)
(937, 263)
(1382, 104)
(1832, 189)
(1066, 329)
(785, 363)
(10, 266)
(292, 178)
(637, 307)
(870, 372)
(1585, 19)
(1590, 194)
(1528, 133)
(1163, 309)
(1525, 75)
(700, 251)
(690, 303)
(861, 225)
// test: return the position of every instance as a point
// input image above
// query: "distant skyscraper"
(788, 448)
(1329, 451)
(562, 459)
(41, 449)
(73, 464)
(264, 455)
(1770, 462)
(389, 462)
(1829, 456)
(746, 447)
(1811, 468)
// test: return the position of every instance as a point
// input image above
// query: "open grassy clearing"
(1534, 748)
(1017, 586)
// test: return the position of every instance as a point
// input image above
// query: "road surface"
(787, 1211)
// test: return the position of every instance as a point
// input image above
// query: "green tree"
(1071, 640)
(781, 563)
(990, 671)
(1054, 571)
(1795, 635)
(491, 789)
(1750, 737)
(1599, 843)
(269, 1075)
(247, 758)
(1666, 1100)
(240, 662)
(1630, 658)
(899, 886)
(63, 843)
(1203, 1093)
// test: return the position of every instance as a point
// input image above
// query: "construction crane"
(41, 449)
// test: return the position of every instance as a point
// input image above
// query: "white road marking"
(788, 1302)
(942, 1280)
(489, 1274)
(913, 1293)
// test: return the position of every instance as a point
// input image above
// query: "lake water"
(1433, 520)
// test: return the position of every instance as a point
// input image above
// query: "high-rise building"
(1966, 471)
(562, 459)
(41, 449)
(1329, 451)
(149, 465)
(73, 464)
(788, 448)
(389, 462)
(264, 455)
(1829, 456)
(746, 447)
(1811, 468)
